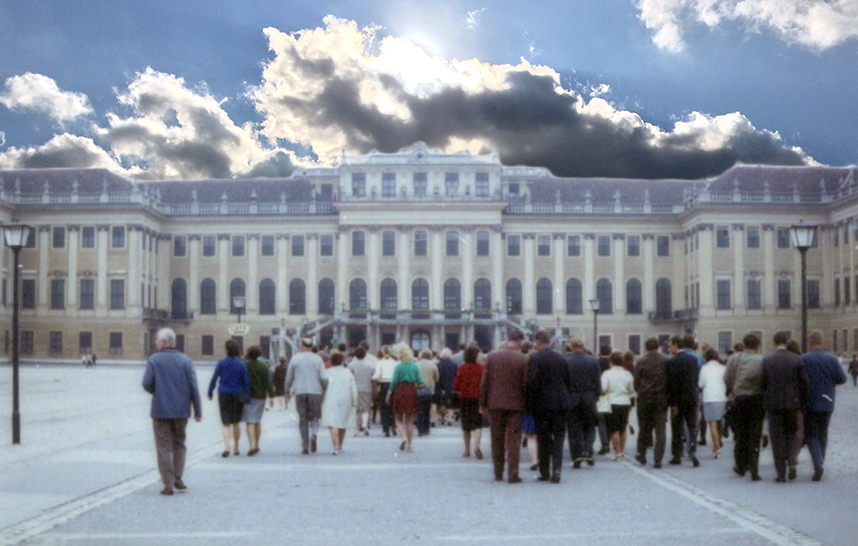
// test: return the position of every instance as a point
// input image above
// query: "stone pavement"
(85, 474)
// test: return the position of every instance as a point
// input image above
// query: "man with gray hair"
(306, 378)
(171, 379)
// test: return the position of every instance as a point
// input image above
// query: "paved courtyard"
(85, 474)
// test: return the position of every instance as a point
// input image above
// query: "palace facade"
(427, 247)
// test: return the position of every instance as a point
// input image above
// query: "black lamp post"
(16, 236)
(595, 305)
(238, 302)
(802, 236)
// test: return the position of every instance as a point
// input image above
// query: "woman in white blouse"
(618, 386)
(711, 381)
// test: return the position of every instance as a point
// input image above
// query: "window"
(663, 299)
(635, 344)
(116, 343)
(237, 289)
(451, 183)
(28, 294)
(58, 294)
(268, 245)
(207, 346)
(573, 245)
(388, 184)
(359, 184)
(326, 245)
(846, 236)
(845, 340)
(783, 238)
(420, 295)
(27, 342)
(326, 297)
(481, 186)
(180, 343)
(513, 245)
(358, 243)
(388, 295)
(543, 245)
(634, 297)
(452, 295)
(84, 343)
(180, 246)
(87, 237)
(179, 298)
(55, 343)
(753, 234)
(420, 184)
(267, 297)
(513, 297)
(421, 243)
(836, 235)
(605, 295)
(847, 294)
(357, 295)
(722, 237)
(297, 297)
(725, 342)
(813, 294)
(604, 242)
(238, 245)
(834, 339)
(483, 295)
(117, 294)
(836, 292)
(31, 239)
(388, 243)
(754, 294)
(482, 243)
(118, 237)
(784, 294)
(723, 295)
(87, 294)
(452, 243)
(58, 234)
(633, 245)
(297, 245)
(209, 247)
(208, 297)
(574, 297)
(662, 246)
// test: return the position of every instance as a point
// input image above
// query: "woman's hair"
(526, 347)
(385, 351)
(253, 352)
(231, 348)
(711, 354)
(445, 353)
(471, 353)
(336, 358)
(403, 352)
(793, 347)
(617, 359)
(360, 352)
(426, 354)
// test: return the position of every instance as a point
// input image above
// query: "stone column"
(403, 257)
(72, 287)
(282, 274)
(194, 274)
(769, 300)
(704, 266)
(312, 282)
(529, 288)
(103, 240)
(497, 252)
(165, 252)
(343, 256)
(223, 251)
(437, 257)
(44, 265)
(648, 275)
(133, 244)
(467, 246)
(373, 300)
(589, 254)
(739, 269)
(252, 290)
(619, 251)
(559, 277)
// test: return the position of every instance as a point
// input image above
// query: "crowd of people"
(526, 393)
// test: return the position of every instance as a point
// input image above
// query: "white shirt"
(384, 370)
(711, 380)
(618, 386)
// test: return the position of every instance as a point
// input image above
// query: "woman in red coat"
(467, 383)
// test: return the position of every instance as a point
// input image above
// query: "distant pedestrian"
(853, 370)
(444, 387)
(233, 394)
(171, 379)
(259, 377)
(402, 395)
(306, 379)
(714, 394)
(383, 376)
(362, 368)
(430, 374)
(93, 359)
(279, 381)
(339, 401)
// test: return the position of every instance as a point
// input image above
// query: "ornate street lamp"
(802, 236)
(16, 236)
(239, 302)
(595, 305)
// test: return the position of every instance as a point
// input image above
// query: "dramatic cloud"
(324, 90)
(61, 151)
(818, 24)
(42, 94)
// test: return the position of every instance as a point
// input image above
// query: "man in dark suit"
(784, 386)
(682, 375)
(548, 385)
(650, 374)
(585, 377)
(824, 373)
(503, 393)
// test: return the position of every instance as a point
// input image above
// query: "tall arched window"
(634, 297)
(420, 295)
(179, 298)
(663, 305)
(452, 295)
(513, 297)
(326, 297)
(267, 297)
(574, 297)
(236, 289)
(208, 297)
(357, 295)
(388, 295)
(544, 297)
(605, 295)
(297, 297)
(482, 295)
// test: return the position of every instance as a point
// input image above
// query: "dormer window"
(358, 184)
(420, 184)
(481, 186)
(451, 183)
(388, 184)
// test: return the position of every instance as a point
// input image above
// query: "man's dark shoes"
(534, 467)
(542, 479)
(755, 477)
(817, 473)
(739, 471)
(166, 491)
(576, 464)
(675, 460)
(765, 441)
(604, 451)
(780, 479)
(515, 479)
(641, 458)
(656, 464)
(498, 478)
(694, 461)
(179, 484)
(555, 478)
(304, 452)
(792, 473)
(313, 444)
(590, 461)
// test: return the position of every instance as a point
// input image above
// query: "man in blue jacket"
(172, 381)
(824, 373)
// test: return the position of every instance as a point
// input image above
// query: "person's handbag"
(424, 392)
(603, 404)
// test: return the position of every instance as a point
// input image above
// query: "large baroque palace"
(427, 247)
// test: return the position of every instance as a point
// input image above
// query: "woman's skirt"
(528, 425)
(469, 414)
(253, 414)
(231, 407)
(714, 411)
(618, 419)
(405, 399)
